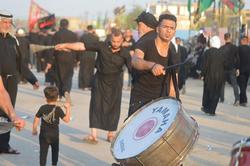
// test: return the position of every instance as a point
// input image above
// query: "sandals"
(90, 139)
(10, 151)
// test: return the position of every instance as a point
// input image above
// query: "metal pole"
(240, 21)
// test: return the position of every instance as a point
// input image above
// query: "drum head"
(145, 127)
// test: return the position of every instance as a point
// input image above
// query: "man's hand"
(158, 69)
(34, 132)
(36, 85)
(48, 66)
(19, 123)
(62, 47)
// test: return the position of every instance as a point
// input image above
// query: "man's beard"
(4, 31)
(165, 39)
(116, 48)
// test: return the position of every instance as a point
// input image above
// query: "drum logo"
(159, 118)
(145, 128)
(164, 112)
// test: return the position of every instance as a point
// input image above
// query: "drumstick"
(6, 127)
(178, 64)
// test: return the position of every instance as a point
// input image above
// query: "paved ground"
(217, 134)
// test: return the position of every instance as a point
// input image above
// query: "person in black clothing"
(128, 39)
(87, 59)
(231, 56)
(182, 73)
(49, 71)
(146, 25)
(198, 59)
(213, 76)
(6, 106)
(64, 60)
(128, 43)
(50, 114)
(35, 38)
(244, 50)
(150, 59)
(107, 85)
(11, 65)
(40, 59)
(24, 45)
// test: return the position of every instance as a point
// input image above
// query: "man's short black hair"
(64, 23)
(177, 38)
(201, 39)
(244, 37)
(51, 93)
(148, 19)
(116, 32)
(227, 36)
(167, 16)
(90, 27)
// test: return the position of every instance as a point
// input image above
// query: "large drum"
(240, 155)
(158, 134)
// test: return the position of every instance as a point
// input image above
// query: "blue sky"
(81, 8)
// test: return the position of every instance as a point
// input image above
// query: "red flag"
(36, 12)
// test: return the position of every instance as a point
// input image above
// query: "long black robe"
(104, 111)
(87, 62)
(213, 72)
(11, 65)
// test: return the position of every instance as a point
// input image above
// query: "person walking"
(213, 76)
(231, 56)
(50, 115)
(106, 93)
(244, 50)
(64, 61)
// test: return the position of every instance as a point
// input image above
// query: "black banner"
(47, 22)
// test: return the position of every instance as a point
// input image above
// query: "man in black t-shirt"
(146, 25)
(150, 58)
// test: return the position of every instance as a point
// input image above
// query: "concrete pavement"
(217, 134)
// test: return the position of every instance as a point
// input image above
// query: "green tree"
(127, 20)
(131, 16)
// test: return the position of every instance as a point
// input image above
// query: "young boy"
(50, 114)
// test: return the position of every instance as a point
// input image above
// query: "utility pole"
(240, 22)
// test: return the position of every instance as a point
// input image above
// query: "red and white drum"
(240, 155)
(160, 134)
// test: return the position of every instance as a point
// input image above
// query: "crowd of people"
(102, 68)
(219, 64)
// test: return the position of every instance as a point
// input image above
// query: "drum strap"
(174, 77)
